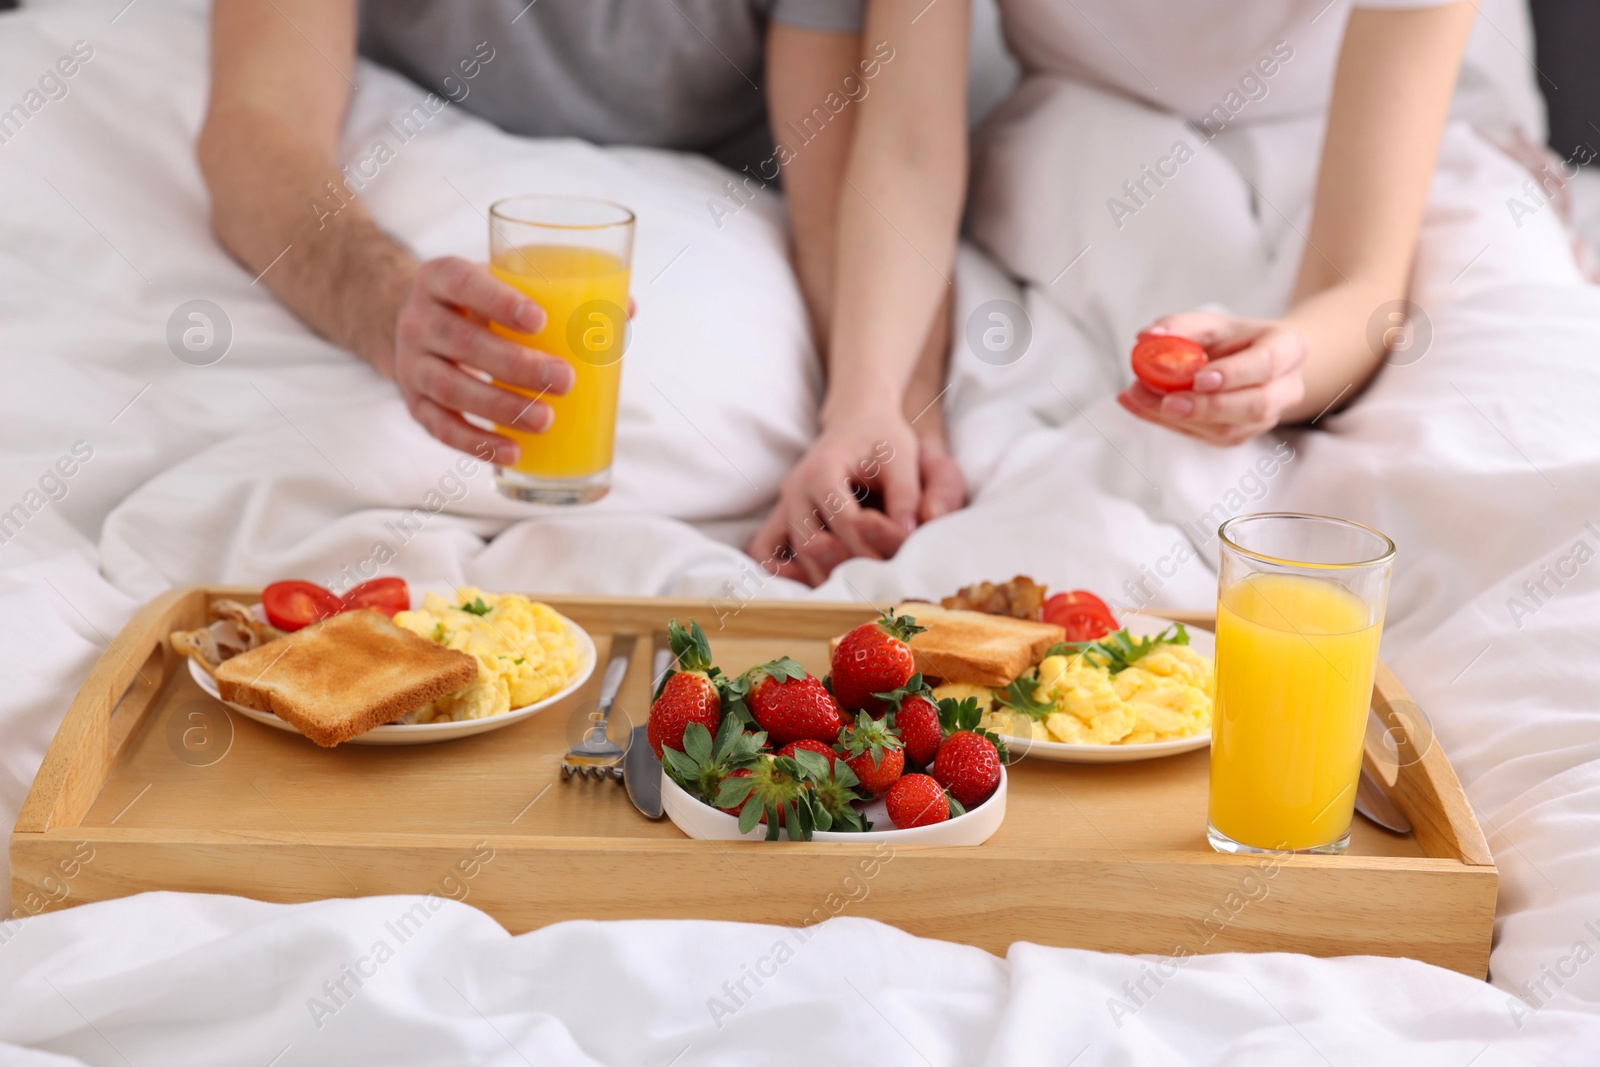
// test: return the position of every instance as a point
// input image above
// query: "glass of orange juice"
(1300, 602)
(572, 256)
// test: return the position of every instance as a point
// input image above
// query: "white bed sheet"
(288, 458)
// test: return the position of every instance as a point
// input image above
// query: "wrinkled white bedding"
(1482, 459)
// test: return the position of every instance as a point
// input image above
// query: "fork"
(597, 756)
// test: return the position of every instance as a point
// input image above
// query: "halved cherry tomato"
(1166, 363)
(1083, 615)
(387, 595)
(293, 605)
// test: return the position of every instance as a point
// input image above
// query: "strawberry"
(968, 766)
(772, 790)
(810, 745)
(789, 704)
(918, 722)
(968, 761)
(873, 658)
(687, 695)
(873, 753)
(703, 763)
(916, 719)
(917, 800)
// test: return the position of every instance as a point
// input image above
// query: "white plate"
(429, 732)
(702, 821)
(1202, 641)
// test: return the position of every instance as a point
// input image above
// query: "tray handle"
(121, 687)
(1424, 786)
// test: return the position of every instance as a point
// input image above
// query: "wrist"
(848, 402)
(927, 422)
(389, 289)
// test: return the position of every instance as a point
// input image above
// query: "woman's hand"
(442, 342)
(822, 518)
(1252, 380)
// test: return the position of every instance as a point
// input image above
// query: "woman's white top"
(1254, 59)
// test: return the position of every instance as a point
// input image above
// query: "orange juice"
(583, 292)
(1295, 658)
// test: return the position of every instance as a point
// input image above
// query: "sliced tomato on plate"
(1166, 363)
(1083, 615)
(294, 604)
(387, 595)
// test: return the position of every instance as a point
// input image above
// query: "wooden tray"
(1107, 857)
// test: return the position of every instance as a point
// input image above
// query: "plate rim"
(425, 732)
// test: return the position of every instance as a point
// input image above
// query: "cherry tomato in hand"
(1166, 363)
(1083, 615)
(294, 604)
(387, 595)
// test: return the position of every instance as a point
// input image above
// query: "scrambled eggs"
(524, 649)
(1164, 695)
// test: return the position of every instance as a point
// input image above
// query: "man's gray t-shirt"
(681, 74)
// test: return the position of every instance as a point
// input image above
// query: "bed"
(282, 456)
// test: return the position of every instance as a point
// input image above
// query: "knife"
(1375, 804)
(1372, 800)
(641, 771)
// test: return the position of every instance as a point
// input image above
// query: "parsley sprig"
(1118, 651)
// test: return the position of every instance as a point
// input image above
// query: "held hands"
(1252, 379)
(443, 345)
(821, 519)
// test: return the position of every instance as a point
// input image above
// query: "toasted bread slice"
(343, 676)
(976, 648)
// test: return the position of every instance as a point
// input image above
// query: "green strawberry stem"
(867, 735)
(690, 652)
(959, 715)
(915, 687)
(702, 768)
(900, 627)
(966, 715)
(782, 669)
(824, 801)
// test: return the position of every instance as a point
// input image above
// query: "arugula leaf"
(477, 607)
(1023, 695)
(1118, 651)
